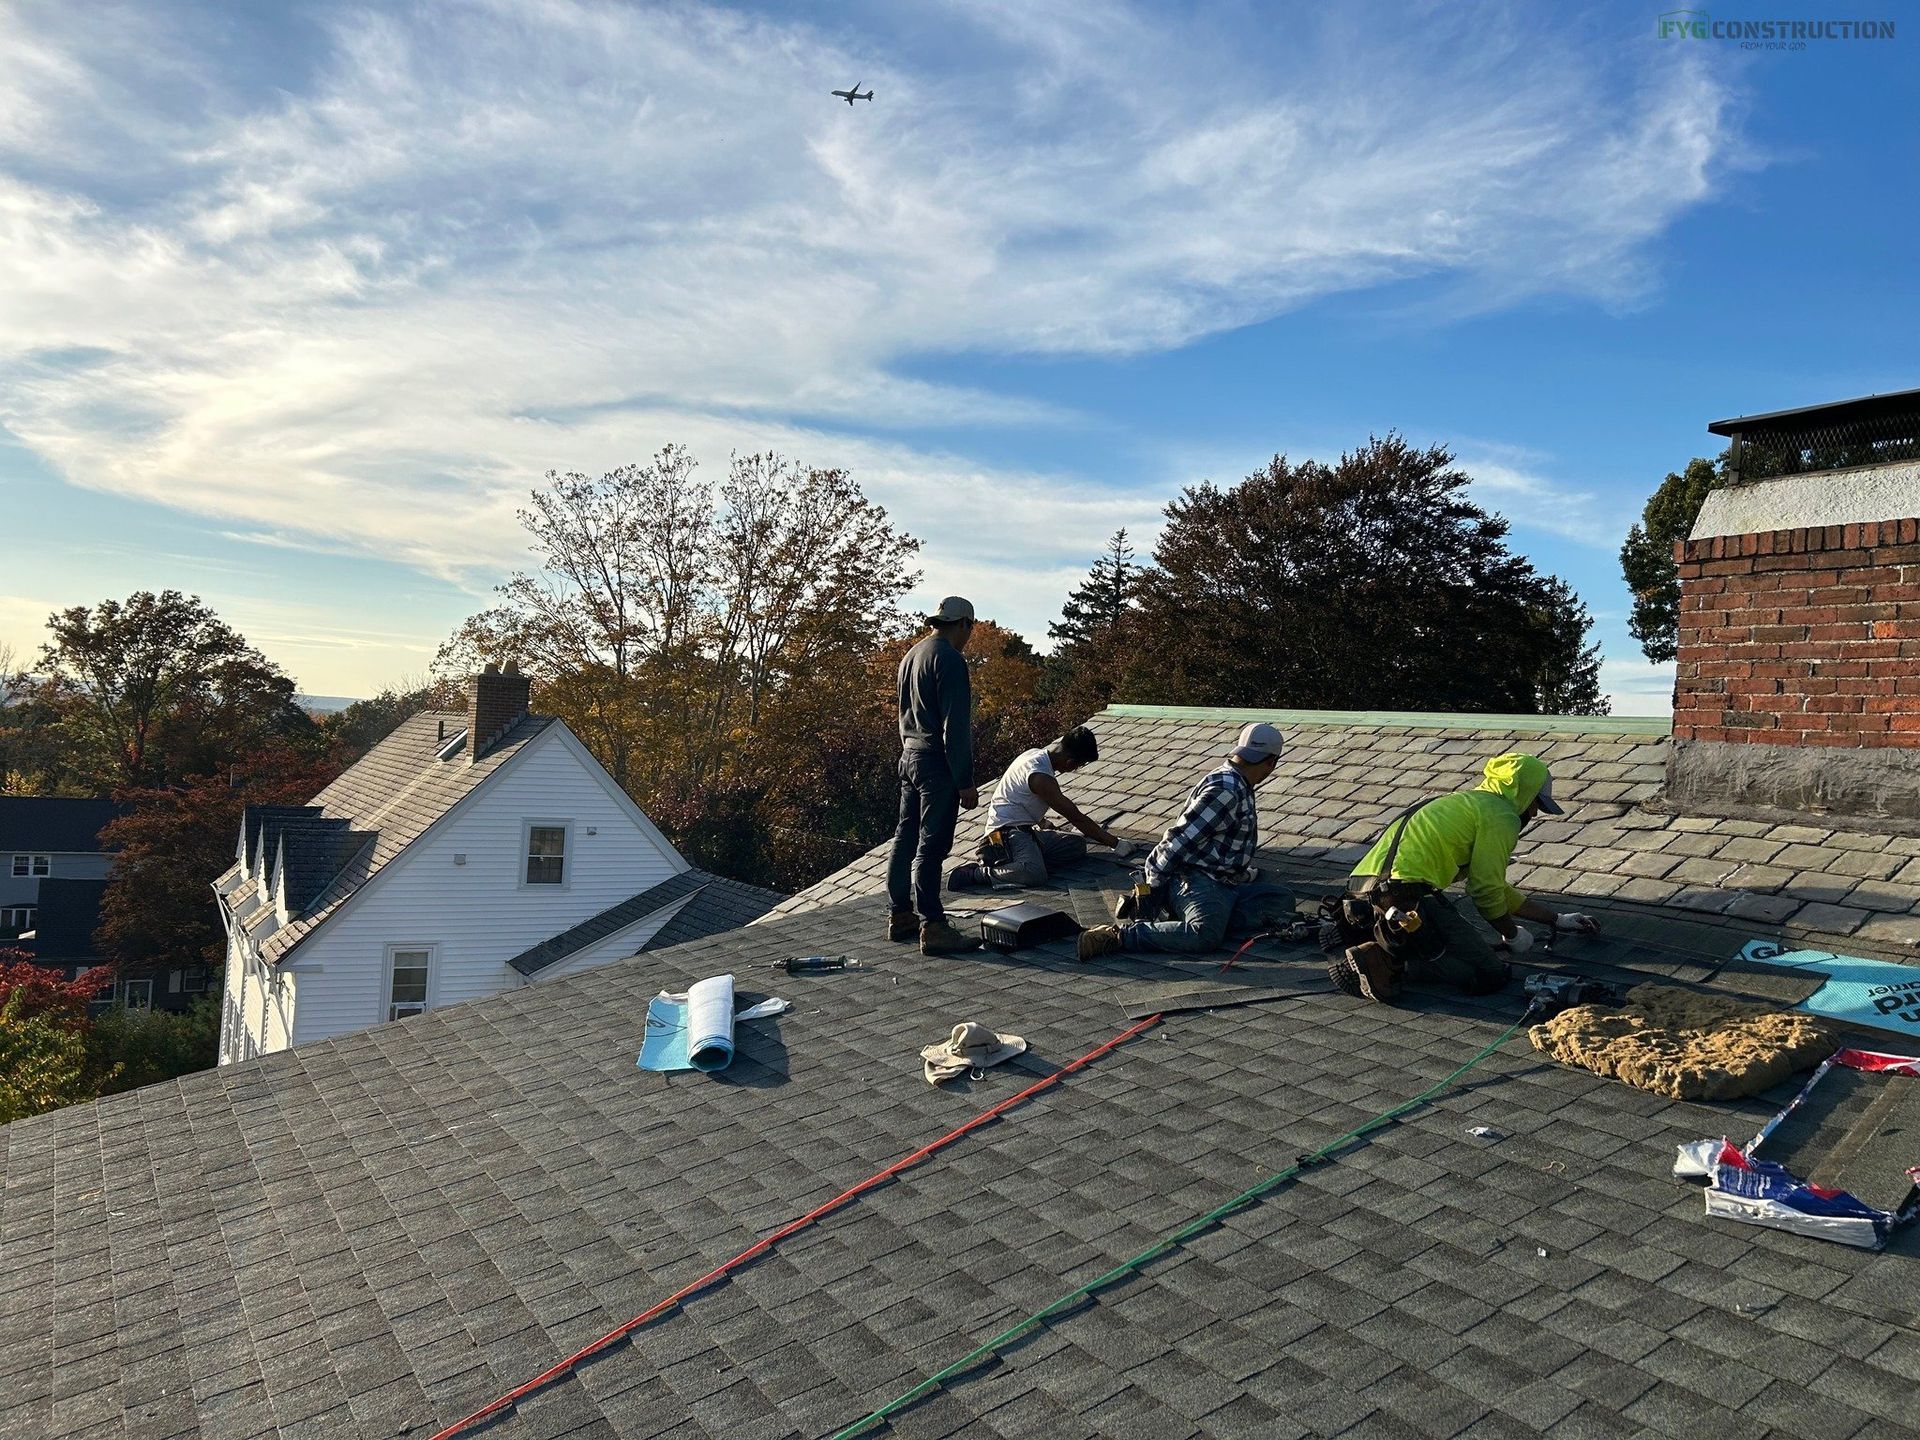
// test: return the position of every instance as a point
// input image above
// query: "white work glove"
(1125, 849)
(1577, 923)
(1520, 941)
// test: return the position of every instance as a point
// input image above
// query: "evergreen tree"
(1646, 559)
(1102, 598)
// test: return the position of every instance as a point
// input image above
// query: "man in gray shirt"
(936, 777)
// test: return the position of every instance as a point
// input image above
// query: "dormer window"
(546, 852)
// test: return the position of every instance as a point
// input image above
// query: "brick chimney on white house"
(1798, 683)
(496, 699)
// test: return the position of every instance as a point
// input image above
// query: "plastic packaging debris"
(1483, 1132)
(764, 1010)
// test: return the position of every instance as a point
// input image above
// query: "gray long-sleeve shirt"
(936, 705)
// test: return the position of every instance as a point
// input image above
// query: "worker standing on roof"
(1204, 863)
(1395, 912)
(936, 777)
(1017, 848)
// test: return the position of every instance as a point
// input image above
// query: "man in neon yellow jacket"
(1467, 836)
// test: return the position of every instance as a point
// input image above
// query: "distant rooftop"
(53, 823)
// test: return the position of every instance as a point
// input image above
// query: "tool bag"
(1359, 916)
(993, 846)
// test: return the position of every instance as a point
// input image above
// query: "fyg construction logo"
(1767, 34)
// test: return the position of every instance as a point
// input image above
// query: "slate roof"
(52, 824)
(66, 915)
(1343, 779)
(372, 1235)
(713, 904)
(395, 792)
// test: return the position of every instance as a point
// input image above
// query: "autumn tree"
(689, 633)
(158, 911)
(150, 688)
(1371, 583)
(45, 1058)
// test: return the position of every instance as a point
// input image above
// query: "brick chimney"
(496, 698)
(1798, 683)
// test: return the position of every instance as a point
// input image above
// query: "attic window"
(454, 746)
(546, 853)
(32, 864)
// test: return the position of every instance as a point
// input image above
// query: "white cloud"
(1637, 687)
(365, 308)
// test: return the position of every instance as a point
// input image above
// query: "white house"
(464, 854)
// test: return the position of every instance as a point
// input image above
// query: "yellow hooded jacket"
(1468, 836)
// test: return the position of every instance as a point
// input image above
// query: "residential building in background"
(464, 855)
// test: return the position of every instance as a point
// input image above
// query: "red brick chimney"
(496, 698)
(1798, 683)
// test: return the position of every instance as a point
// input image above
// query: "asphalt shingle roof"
(375, 1234)
(716, 904)
(53, 824)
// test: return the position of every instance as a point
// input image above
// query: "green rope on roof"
(1173, 1240)
(1403, 720)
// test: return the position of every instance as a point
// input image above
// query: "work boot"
(937, 937)
(1097, 941)
(969, 877)
(1365, 972)
(903, 926)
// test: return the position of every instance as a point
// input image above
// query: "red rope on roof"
(658, 1308)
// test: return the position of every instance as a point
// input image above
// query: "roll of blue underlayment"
(693, 1031)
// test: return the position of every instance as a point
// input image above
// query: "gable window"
(546, 853)
(32, 865)
(408, 970)
(14, 919)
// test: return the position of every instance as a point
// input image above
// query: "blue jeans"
(1209, 912)
(929, 809)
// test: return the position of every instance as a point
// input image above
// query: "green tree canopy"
(1371, 583)
(1646, 559)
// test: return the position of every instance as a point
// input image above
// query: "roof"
(65, 917)
(712, 904)
(53, 824)
(1893, 403)
(352, 829)
(1343, 778)
(377, 1233)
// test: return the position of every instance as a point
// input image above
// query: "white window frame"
(126, 995)
(566, 829)
(387, 1006)
(32, 867)
(7, 921)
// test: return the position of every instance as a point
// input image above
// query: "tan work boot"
(1097, 941)
(937, 937)
(1366, 971)
(903, 926)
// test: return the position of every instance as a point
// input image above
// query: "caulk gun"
(806, 964)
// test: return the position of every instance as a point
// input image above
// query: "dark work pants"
(929, 809)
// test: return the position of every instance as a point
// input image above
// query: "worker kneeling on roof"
(1395, 912)
(1018, 847)
(1203, 865)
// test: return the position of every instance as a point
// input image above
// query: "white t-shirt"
(1014, 802)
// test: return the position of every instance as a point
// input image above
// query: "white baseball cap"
(1258, 741)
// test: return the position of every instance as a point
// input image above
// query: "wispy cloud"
(363, 305)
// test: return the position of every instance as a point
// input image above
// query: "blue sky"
(296, 303)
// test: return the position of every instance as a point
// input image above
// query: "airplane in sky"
(852, 95)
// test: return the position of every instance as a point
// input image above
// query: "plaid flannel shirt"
(1217, 834)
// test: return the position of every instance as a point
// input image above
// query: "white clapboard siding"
(478, 914)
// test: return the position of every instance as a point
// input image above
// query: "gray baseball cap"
(952, 609)
(1258, 741)
(1545, 797)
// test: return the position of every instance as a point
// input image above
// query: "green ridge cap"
(1405, 720)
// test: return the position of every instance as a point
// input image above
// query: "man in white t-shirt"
(1018, 848)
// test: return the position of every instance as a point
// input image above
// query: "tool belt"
(993, 845)
(1361, 914)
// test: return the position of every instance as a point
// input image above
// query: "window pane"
(41, 865)
(546, 854)
(409, 978)
(20, 864)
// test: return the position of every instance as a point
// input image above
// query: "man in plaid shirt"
(1205, 863)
